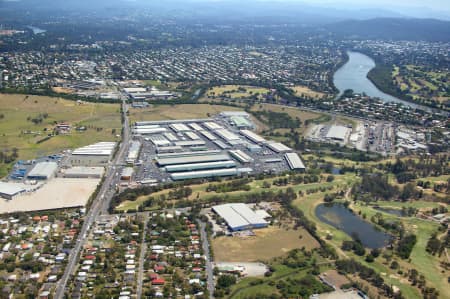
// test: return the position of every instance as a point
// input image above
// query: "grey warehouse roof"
(239, 215)
(193, 159)
(43, 169)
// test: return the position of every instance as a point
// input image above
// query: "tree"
(226, 281)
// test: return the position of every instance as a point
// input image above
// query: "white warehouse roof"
(195, 126)
(294, 161)
(279, 147)
(212, 126)
(96, 149)
(338, 132)
(179, 127)
(227, 135)
(239, 216)
(252, 136)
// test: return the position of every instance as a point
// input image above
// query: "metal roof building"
(239, 216)
(170, 136)
(294, 161)
(212, 126)
(192, 159)
(144, 131)
(43, 171)
(338, 133)
(97, 154)
(200, 166)
(203, 174)
(159, 140)
(196, 127)
(240, 156)
(227, 135)
(133, 151)
(278, 147)
(179, 127)
(188, 154)
(11, 190)
(83, 172)
(192, 136)
(253, 136)
(208, 135)
(126, 173)
(190, 142)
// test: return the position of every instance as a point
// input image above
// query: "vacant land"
(26, 121)
(303, 91)
(268, 243)
(237, 91)
(184, 111)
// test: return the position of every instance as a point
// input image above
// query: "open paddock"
(267, 243)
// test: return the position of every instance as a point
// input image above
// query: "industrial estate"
(216, 149)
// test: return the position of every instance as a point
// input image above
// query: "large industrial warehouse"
(98, 154)
(239, 216)
(43, 171)
(174, 150)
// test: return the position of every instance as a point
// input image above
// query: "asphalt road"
(142, 259)
(209, 267)
(100, 205)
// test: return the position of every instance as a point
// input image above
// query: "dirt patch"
(266, 244)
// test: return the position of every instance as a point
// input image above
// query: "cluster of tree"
(298, 258)
(350, 266)
(297, 179)
(405, 245)
(419, 280)
(374, 187)
(437, 246)
(355, 245)
(301, 287)
(277, 120)
(234, 185)
(38, 119)
(6, 157)
(390, 225)
(224, 282)
(424, 166)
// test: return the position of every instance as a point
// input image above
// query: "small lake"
(338, 216)
(353, 75)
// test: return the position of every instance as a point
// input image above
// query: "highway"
(99, 205)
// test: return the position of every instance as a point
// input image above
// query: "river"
(353, 75)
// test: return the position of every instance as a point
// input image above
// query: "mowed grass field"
(99, 119)
(233, 91)
(305, 91)
(268, 243)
